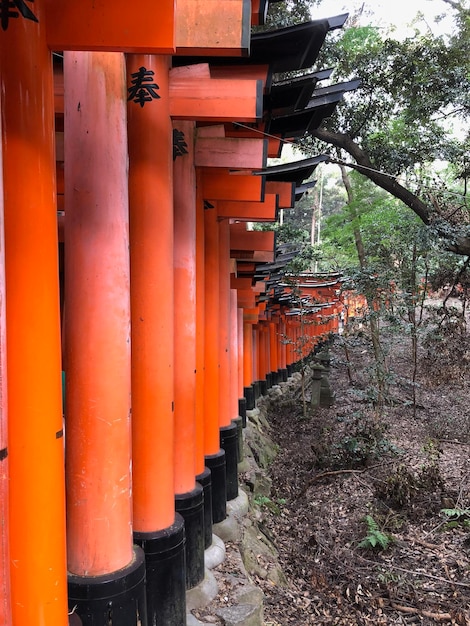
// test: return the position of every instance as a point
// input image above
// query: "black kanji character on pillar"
(12, 9)
(179, 144)
(143, 90)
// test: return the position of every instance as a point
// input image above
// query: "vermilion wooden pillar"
(156, 527)
(35, 446)
(228, 429)
(215, 455)
(241, 398)
(203, 473)
(189, 494)
(185, 306)
(5, 604)
(101, 558)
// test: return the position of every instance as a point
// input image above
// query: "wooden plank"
(213, 27)
(251, 72)
(217, 100)
(228, 152)
(111, 26)
(251, 211)
(221, 185)
(285, 191)
(256, 240)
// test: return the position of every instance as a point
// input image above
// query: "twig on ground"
(440, 617)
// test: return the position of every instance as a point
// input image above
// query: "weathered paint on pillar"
(185, 305)
(5, 604)
(234, 395)
(152, 296)
(240, 351)
(247, 354)
(35, 446)
(200, 332)
(97, 314)
(211, 333)
(225, 413)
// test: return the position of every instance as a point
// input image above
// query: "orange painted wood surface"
(247, 72)
(230, 153)
(97, 306)
(5, 599)
(211, 332)
(219, 184)
(36, 445)
(184, 195)
(151, 248)
(234, 355)
(225, 416)
(111, 26)
(250, 211)
(285, 191)
(213, 27)
(218, 100)
(242, 239)
(200, 331)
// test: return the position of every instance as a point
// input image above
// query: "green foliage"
(457, 518)
(272, 505)
(363, 442)
(375, 538)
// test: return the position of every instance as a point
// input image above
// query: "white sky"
(389, 13)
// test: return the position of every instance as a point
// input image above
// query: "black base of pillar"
(249, 394)
(283, 375)
(216, 464)
(242, 410)
(290, 370)
(117, 598)
(269, 380)
(166, 579)
(275, 378)
(229, 443)
(205, 480)
(239, 423)
(263, 387)
(190, 506)
(256, 389)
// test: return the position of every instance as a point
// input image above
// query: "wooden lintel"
(285, 191)
(221, 185)
(256, 240)
(217, 100)
(211, 130)
(240, 283)
(274, 143)
(229, 152)
(246, 298)
(251, 211)
(111, 26)
(213, 27)
(251, 72)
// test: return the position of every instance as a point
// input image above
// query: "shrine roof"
(296, 171)
(284, 50)
(322, 104)
(294, 93)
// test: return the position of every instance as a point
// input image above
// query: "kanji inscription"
(143, 88)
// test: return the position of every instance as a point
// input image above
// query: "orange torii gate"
(37, 580)
(172, 447)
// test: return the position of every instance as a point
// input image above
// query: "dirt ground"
(339, 465)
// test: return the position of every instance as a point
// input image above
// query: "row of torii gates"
(134, 146)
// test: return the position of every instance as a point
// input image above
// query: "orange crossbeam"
(218, 100)
(111, 26)
(229, 152)
(213, 27)
(251, 211)
(221, 185)
(257, 240)
(285, 191)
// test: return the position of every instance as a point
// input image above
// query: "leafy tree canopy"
(414, 94)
